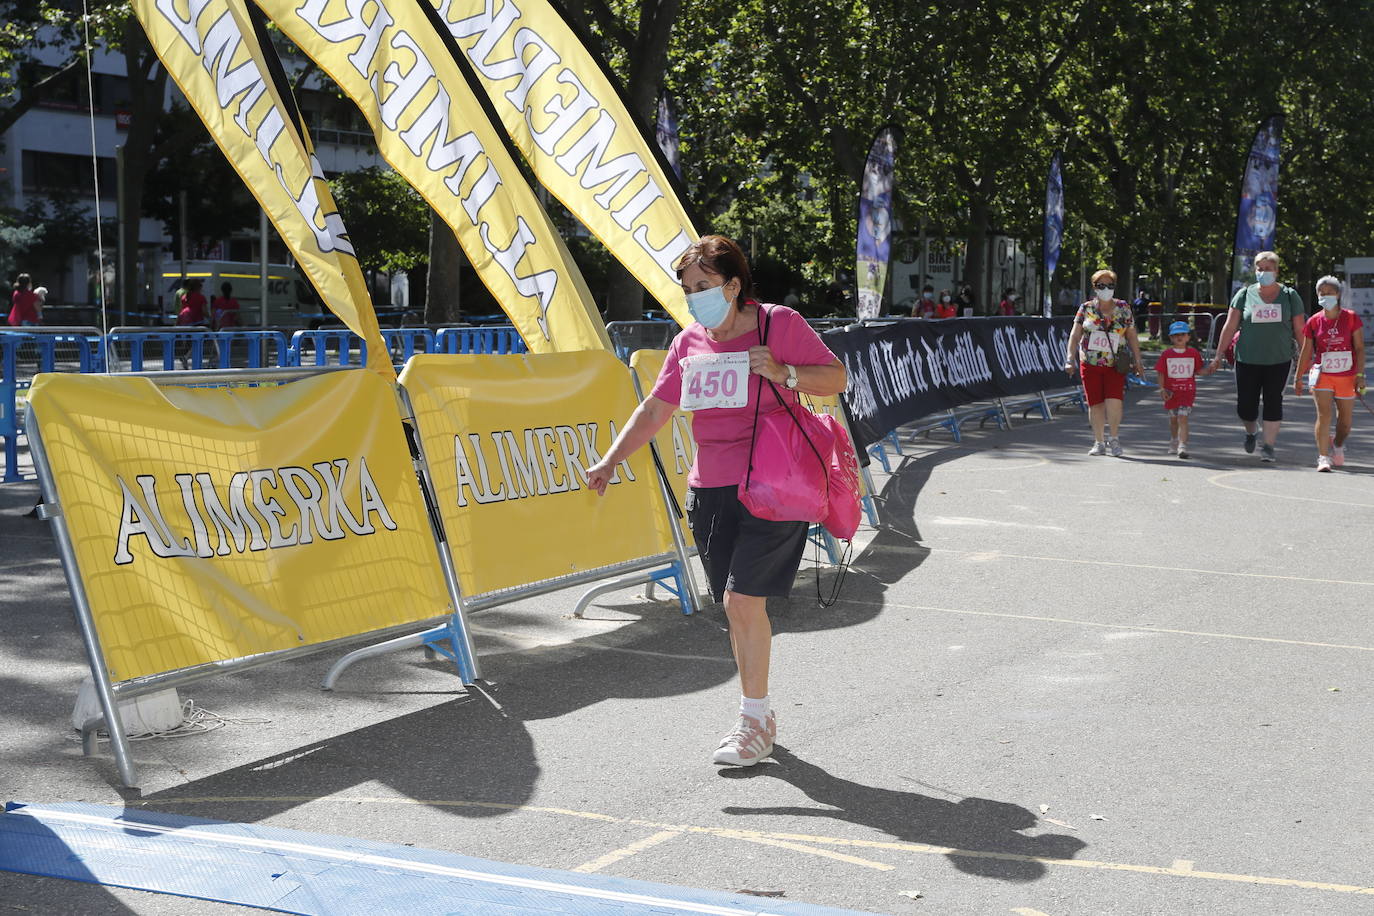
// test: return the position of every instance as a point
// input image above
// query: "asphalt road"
(1053, 684)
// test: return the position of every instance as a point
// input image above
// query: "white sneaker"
(1323, 463)
(1114, 447)
(750, 742)
(1337, 456)
(1099, 448)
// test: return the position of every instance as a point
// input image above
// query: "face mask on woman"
(944, 298)
(1265, 277)
(1328, 302)
(709, 306)
(1105, 293)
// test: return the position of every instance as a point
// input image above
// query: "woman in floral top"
(1099, 328)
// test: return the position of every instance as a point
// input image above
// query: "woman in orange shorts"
(1334, 348)
(1101, 326)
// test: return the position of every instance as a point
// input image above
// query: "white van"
(291, 301)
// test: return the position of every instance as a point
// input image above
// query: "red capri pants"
(1101, 383)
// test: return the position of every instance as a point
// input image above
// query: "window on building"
(47, 173)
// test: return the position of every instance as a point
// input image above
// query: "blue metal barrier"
(166, 347)
(9, 396)
(17, 348)
(500, 339)
(403, 343)
(349, 349)
(260, 349)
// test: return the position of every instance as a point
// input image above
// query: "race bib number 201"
(715, 380)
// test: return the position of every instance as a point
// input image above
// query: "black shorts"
(1254, 380)
(742, 553)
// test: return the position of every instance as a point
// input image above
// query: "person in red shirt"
(24, 304)
(1333, 347)
(192, 304)
(1008, 304)
(946, 308)
(224, 308)
(1178, 368)
(925, 307)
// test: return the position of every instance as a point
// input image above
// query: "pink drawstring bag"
(806, 467)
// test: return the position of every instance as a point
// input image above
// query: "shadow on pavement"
(985, 834)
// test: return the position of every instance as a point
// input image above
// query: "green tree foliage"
(387, 220)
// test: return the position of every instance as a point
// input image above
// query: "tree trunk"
(975, 255)
(443, 301)
(147, 89)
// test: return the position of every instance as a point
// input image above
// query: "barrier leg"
(870, 507)
(876, 450)
(818, 535)
(413, 641)
(52, 512)
(672, 571)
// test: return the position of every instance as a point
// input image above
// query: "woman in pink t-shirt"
(710, 371)
(1334, 348)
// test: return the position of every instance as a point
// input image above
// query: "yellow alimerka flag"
(211, 524)
(210, 49)
(430, 126)
(508, 440)
(565, 115)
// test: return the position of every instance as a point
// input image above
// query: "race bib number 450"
(715, 380)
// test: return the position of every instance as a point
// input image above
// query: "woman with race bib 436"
(710, 371)
(1332, 337)
(1269, 317)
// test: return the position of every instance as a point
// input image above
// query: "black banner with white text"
(912, 368)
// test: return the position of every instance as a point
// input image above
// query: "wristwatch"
(791, 381)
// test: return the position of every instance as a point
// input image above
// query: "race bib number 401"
(715, 380)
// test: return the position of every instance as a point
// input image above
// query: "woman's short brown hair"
(1104, 274)
(1266, 256)
(720, 256)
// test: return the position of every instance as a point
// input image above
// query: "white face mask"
(1265, 277)
(944, 298)
(1328, 302)
(1106, 294)
(709, 306)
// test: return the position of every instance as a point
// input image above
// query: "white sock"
(755, 709)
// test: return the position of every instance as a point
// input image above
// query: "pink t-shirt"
(25, 307)
(1334, 336)
(723, 433)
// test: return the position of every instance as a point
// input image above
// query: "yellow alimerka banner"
(211, 524)
(563, 112)
(508, 440)
(391, 61)
(210, 49)
(677, 447)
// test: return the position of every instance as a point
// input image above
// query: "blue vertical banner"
(665, 131)
(1258, 213)
(1054, 224)
(875, 223)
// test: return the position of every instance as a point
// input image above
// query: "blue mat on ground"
(313, 873)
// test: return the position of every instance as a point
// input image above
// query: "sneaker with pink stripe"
(750, 742)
